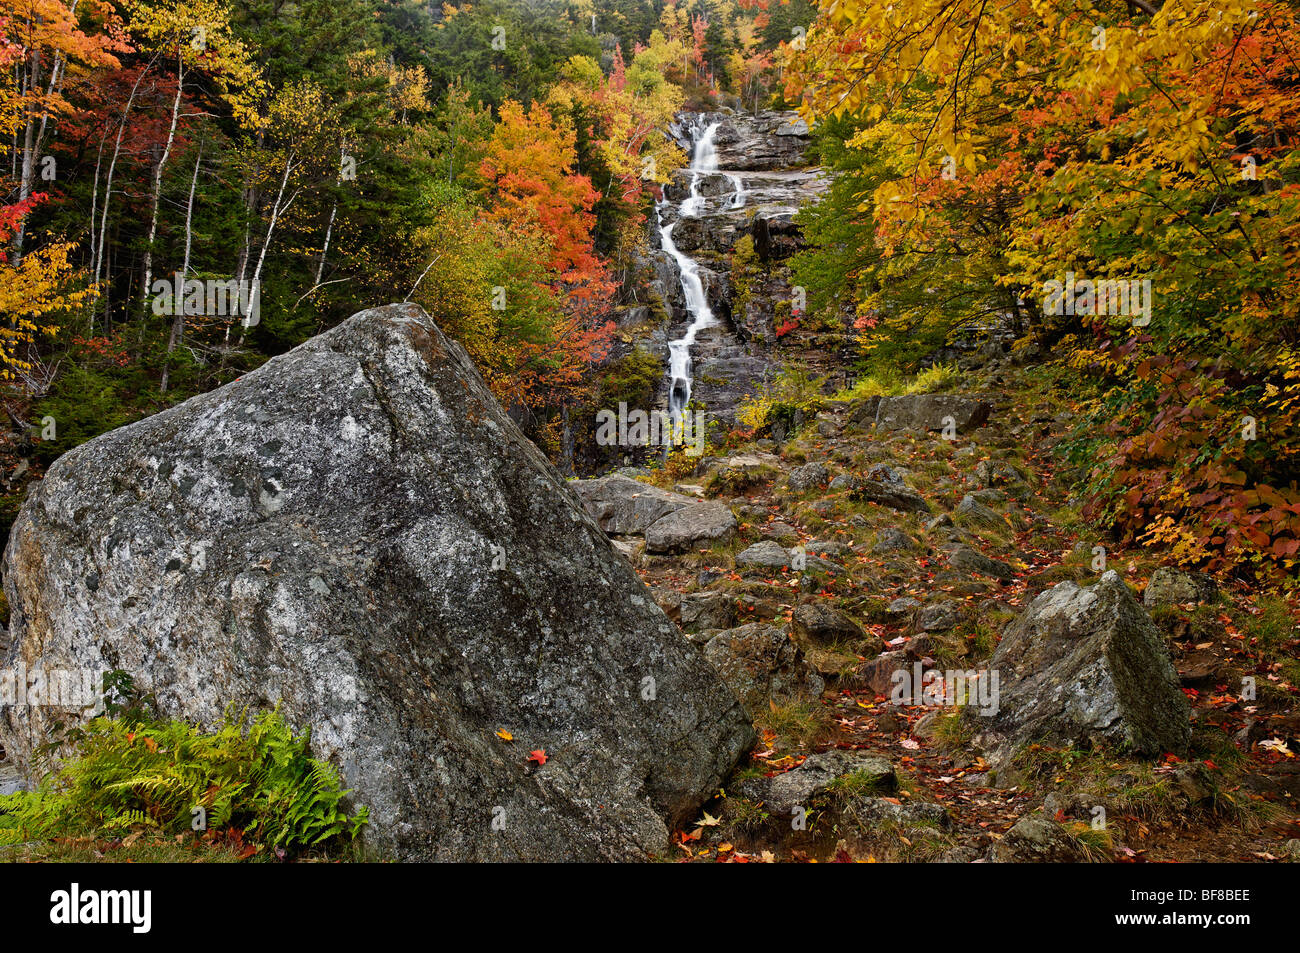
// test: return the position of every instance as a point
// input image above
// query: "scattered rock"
(973, 515)
(691, 527)
(877, 674)
(1036, 840)
(903, 607)
(707, 610)
(884, 485)
(991, 473)
(868, 812)
(766, 554)
(810, 476)
(939, 617)
(892, 540)
(972, 560)
(801, 786)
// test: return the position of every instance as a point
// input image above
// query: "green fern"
(126, 773)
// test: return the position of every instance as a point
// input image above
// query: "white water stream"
(704, 162)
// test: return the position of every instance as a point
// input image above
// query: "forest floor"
(1233, 798)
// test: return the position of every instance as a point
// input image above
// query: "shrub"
(257, 777)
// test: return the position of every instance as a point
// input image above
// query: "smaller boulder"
(760, 663)
(1037, 840)
(691, 527)
(707, 610)
(801, 786)
(810, 476)
(939, 617)
(971, 560)
(1169, 586)
(884, 485)
(765, 555)
(819, 623)
(891, 541)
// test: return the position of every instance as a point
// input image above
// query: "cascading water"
(704, 162)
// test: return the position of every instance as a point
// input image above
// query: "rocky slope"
(1141, 712)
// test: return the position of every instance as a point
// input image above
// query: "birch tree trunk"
(178, 308)
(156, 197)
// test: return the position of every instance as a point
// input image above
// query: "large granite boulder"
(1085, 666)
(358, 531)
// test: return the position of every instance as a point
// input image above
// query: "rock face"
(1082, 666)
(358, 530)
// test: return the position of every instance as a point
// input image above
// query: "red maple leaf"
(539, 756)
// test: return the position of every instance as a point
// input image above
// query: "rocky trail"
(921, 550)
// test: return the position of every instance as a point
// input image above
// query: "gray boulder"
(972, 560)
(800, 786)
(627, 507)
(1037, 840)
(939, 617)
(810, 476)
(820, 623)
(1169, 586)
(357, 530)
(765, 555)
(884, 485)
(929, 412)
(707, 610)
(972, 514)
(891, 540)
(691, 527)
(1085, 667)
(760, 662)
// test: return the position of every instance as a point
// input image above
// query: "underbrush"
(251, 783)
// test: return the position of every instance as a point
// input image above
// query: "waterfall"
(704, 161)
(739, 196)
